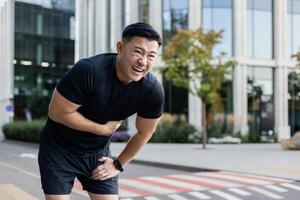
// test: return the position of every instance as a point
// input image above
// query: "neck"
(119, 74)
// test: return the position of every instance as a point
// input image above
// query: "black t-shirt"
(93, 84)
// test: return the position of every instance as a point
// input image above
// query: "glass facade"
(44, 50)
(259, 29)
(293, 28)
(218, 15)
(260, 103)
(220, 114)
(294, 100)
(175, 16)
(144, 11)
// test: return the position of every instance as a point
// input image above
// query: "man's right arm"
(65, 112)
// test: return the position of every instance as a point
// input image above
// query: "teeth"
(137, 69)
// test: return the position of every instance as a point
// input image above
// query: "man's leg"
(57, 197)
(102, 196)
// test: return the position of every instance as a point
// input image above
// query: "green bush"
(175, 133)
(24, 131)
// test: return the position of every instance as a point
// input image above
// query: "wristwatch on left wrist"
(118, 165)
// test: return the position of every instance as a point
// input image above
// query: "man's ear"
(120, 46)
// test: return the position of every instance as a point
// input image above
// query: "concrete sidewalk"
(262, 159)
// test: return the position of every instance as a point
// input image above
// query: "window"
(217, 15)
(259, 29)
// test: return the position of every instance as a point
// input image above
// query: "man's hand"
(105, 171)
(109, 128)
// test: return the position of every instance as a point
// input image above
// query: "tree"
(190, 64)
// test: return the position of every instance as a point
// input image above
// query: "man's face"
(136, 58)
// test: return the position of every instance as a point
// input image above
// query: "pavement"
(260, 159)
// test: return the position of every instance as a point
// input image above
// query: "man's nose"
(142, 61)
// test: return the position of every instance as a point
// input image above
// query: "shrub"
(24, 131)
(174, 129)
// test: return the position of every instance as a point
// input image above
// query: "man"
(87, 107)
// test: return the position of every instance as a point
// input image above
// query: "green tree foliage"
(190, 64)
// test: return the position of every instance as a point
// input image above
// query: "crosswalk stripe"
(177, 197)
(176, 182)
(154, 189)
(244, 179)
(125, 193)
(224, 195)
(216, 184)
(161, 184)
(288, 185)
(239, 191)
(222, 181)
(256, 177)
(132, 188)
(199, 195)
(195, 182)
(151, 198)
(265, 192)
(276, 188)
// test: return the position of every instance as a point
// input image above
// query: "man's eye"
(137, 51)
(151, 56)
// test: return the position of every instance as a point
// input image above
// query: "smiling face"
(135, 58)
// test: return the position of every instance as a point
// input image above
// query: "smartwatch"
(118, 165)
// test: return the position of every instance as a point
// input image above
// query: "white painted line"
(209, 180)
(177, 197)
(149, 187)
(199, 195)
(242, 179)
(239, 191)
(28, 155)
(35, 176)
(127, 199)
(20, 170)
(224, 195)
(176, 183)
(151, 198)
(255, 176)
(288, 185)
(276, 188)
(265, 192)
(125, 193)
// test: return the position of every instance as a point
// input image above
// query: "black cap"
(143, 30)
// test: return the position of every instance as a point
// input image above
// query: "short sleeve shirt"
(93, 84)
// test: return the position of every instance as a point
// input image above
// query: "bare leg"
(57, 197)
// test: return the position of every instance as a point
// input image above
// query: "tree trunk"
(204, 127)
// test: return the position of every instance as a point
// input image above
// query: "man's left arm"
(145, 129)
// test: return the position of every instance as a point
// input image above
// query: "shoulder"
(102, 61)
(151, 83)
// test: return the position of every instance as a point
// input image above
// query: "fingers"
(103, 159)
(99, 175)
(105, 170)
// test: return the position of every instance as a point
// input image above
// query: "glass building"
(44, 50)
(260, 99)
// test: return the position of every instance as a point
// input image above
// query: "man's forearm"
(76, 121)
(133, 147)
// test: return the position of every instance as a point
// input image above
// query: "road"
(19, 172)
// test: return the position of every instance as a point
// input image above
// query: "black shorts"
(59, 168)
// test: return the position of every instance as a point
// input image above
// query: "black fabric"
(59, 168)
(93, 84)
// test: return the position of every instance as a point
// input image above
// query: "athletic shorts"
(59, 168)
